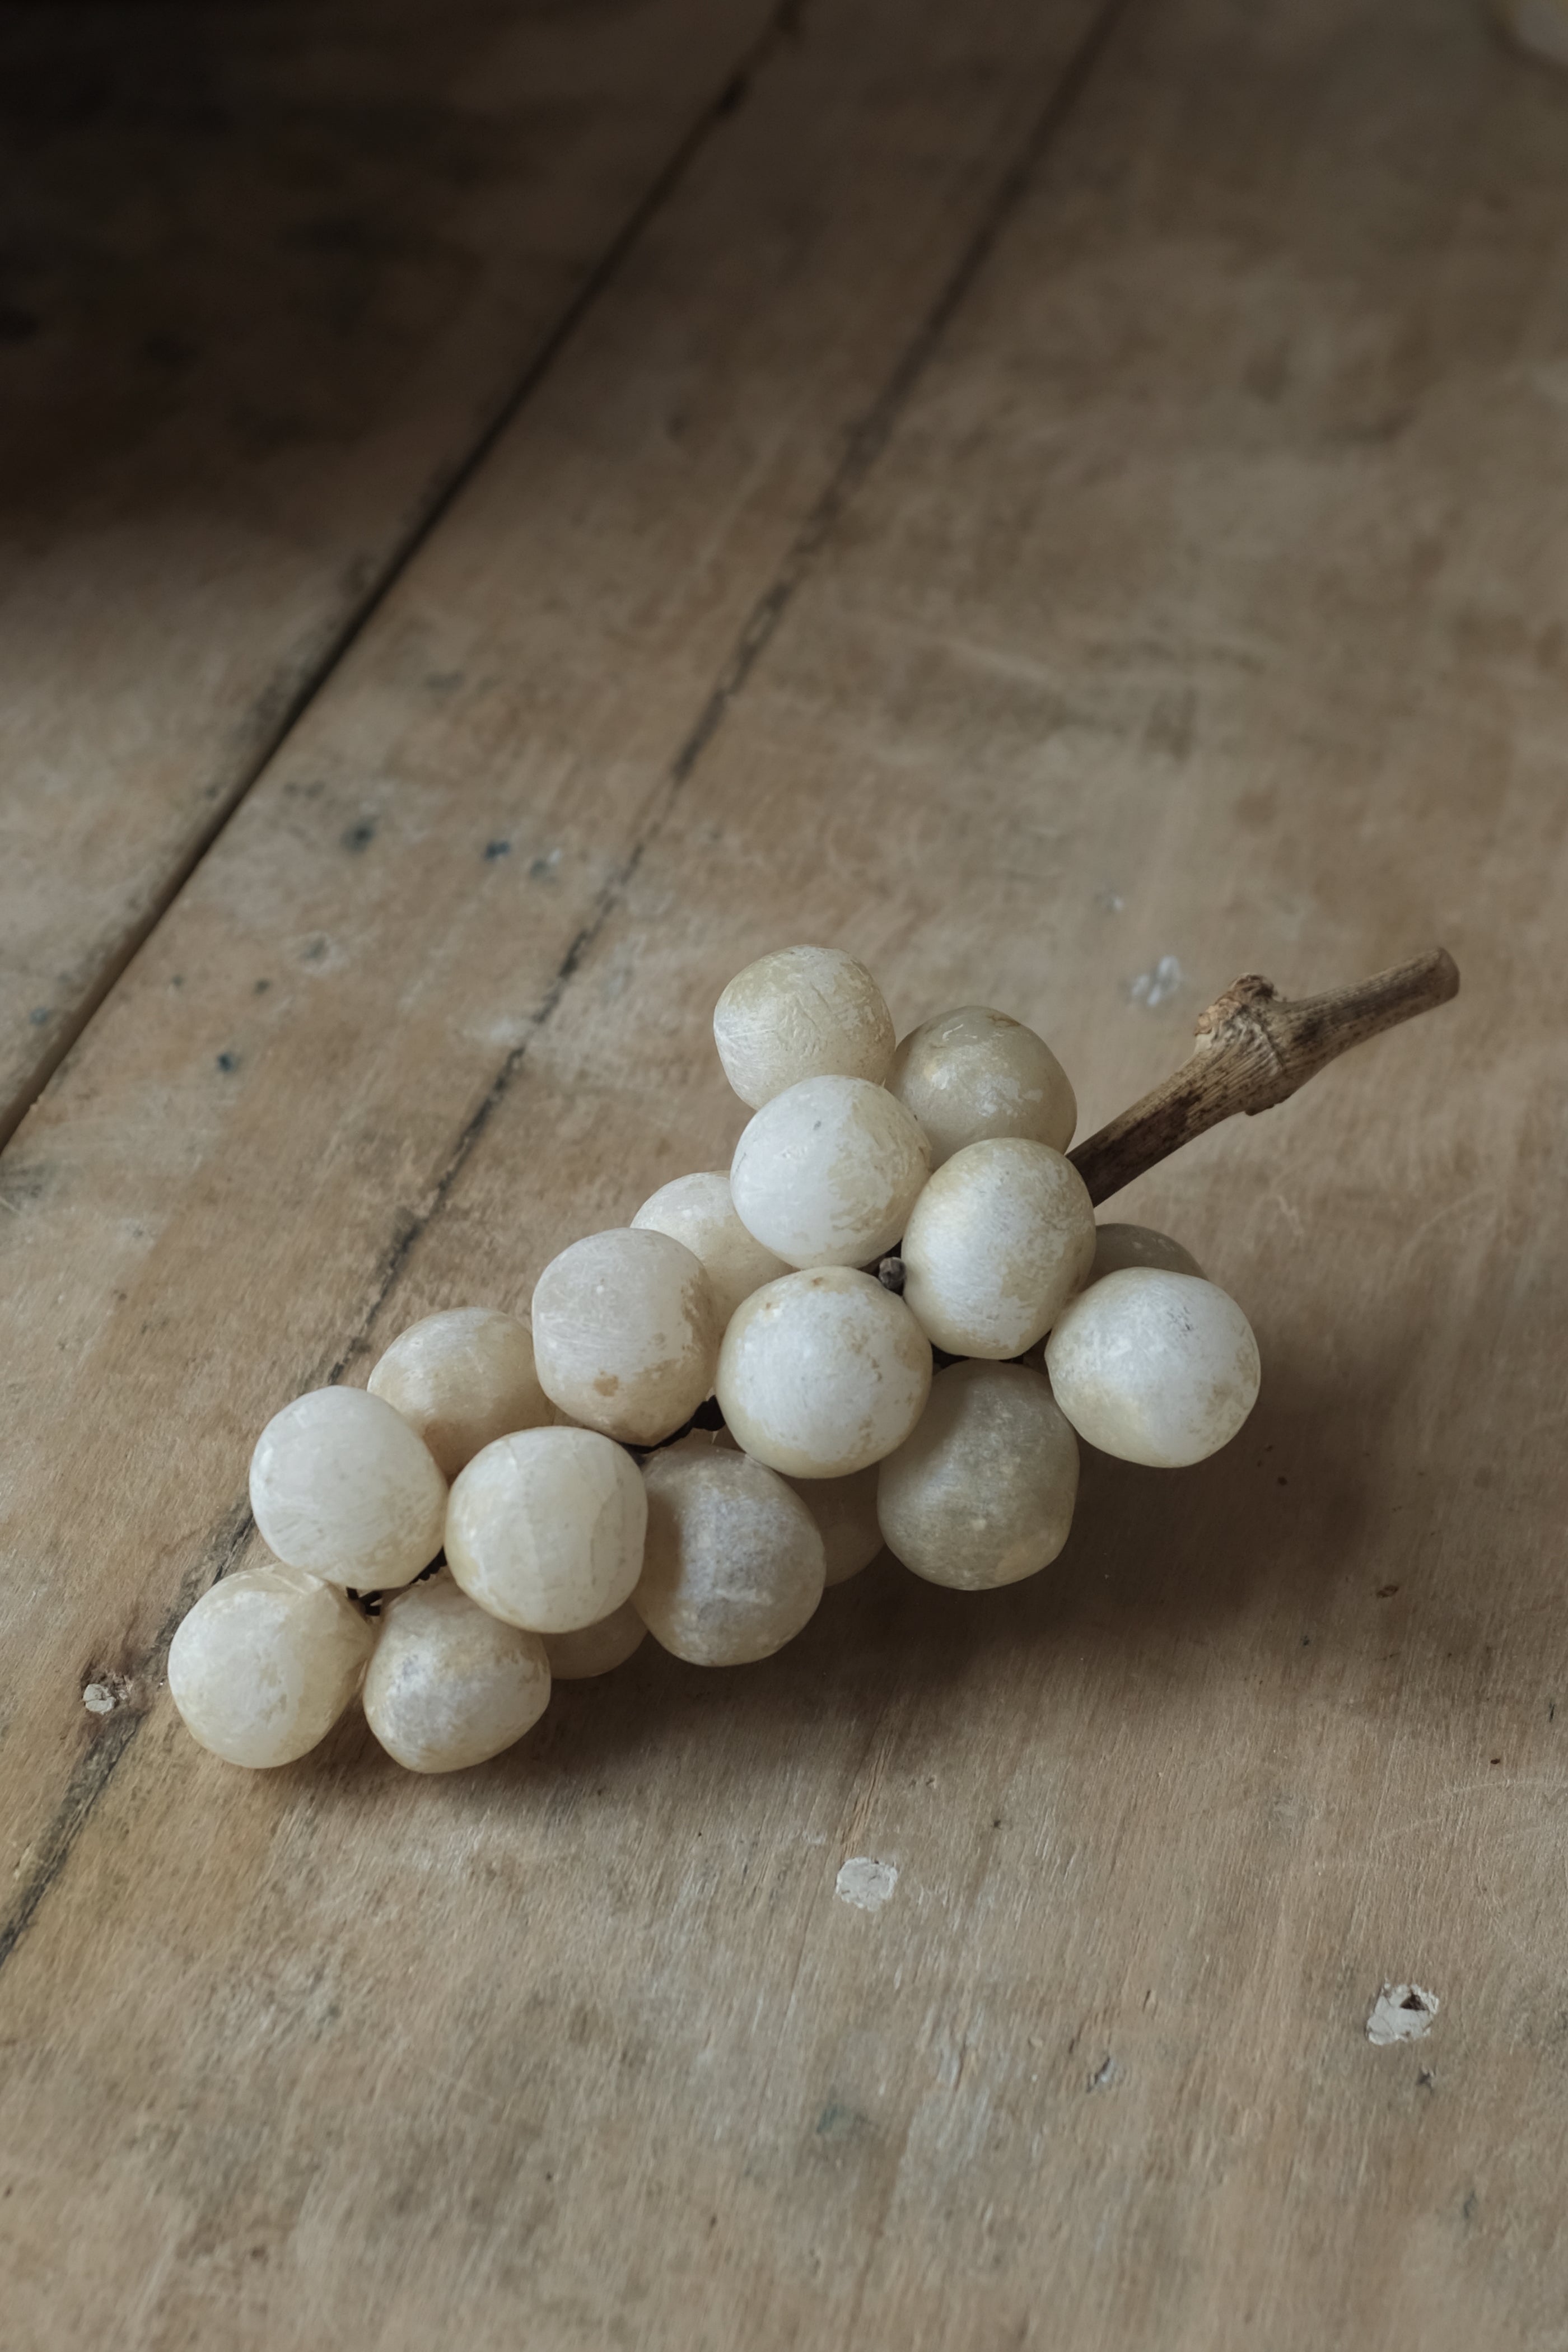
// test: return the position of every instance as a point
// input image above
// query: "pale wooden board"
(1203, 603)
(269, 273)
(394, 912)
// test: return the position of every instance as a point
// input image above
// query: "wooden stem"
(1254, 1048)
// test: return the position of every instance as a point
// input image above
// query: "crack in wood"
(865, 444)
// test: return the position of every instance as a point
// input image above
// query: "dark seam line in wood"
(112, 1739)
(782, 25)
(114, 1735)
(866, 443)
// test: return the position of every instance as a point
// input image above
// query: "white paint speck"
(1153, 988)
(99, 1699)
(1402, 2012)
(865, 1883)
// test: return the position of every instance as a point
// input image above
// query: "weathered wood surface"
(267, 275)
(295, 1071)
(1192, 605)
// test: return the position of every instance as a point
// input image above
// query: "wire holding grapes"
(718, 1409)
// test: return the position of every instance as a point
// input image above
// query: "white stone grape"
(342, 1486)
(822, 1373)
(596, 1648)
(972, 1074)
(844, 1510)
(545, 1528)
(266, 1663)
(801, 1013)
(700, 1212)
(982, 1493)
(1154, 1367)
(996, 1245)
(626, 1334)
(450, 1685)
(461, 1379)
(1117, 1248)
(827, 1172)
(734, 1564)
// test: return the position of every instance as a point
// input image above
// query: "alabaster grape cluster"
(511, 1502)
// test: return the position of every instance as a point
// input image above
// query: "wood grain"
(295, 1071)
(1194, 607)
(270, 276)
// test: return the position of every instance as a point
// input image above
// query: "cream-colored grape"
(342, 1486)
(545, 1528)
(822, 1373)
(596, 1648)
(844, 1510)
(460, 1380)
(266, 1663)
(699, 1213)
(449, 1685)
(1116, 1247)
(734, 1564)
(982, 1493)
(1154, 1367)
(626, 1334)
(802, 1012)
(827, 1172)
(974, 1073)
(998, 1242)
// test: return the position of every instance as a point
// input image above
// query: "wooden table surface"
(514, 510)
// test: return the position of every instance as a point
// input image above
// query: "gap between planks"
(223, 1544)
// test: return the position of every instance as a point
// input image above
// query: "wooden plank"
(271, 274)
(420, 871)
(1204, 576)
